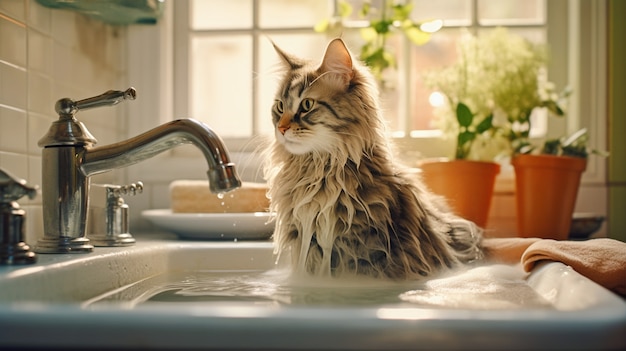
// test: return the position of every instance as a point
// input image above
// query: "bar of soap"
(194, 196)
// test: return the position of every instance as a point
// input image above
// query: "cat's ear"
(291, 62)
(338, 61)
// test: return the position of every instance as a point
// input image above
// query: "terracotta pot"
(467, 185)
(546, 188)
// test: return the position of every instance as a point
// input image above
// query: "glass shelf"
(116, 12)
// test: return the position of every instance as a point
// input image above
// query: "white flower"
(496, 73)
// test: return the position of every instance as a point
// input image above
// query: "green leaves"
(574, 145)
(467, 131)
(463, 115)
(382, 26)
(401, 11)
(345, 9)
(416, 35)
(377, 58)
(485, 125)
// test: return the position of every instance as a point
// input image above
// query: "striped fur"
(342, 205)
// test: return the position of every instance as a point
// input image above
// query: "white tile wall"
(47, 54)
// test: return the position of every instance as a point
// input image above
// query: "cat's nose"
(283, 129)
(284, 123)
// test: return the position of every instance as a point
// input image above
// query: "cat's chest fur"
(312, 193)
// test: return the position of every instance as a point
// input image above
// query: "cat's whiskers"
(320, 76)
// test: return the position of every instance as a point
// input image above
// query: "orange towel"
(602, 260)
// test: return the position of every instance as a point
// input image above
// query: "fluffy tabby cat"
(342, 205)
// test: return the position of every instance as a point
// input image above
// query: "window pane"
(309, 46)
(535, 35)
(390, 93)
(452, 12)
(511, 12)
(220, 84)
(295, 14)
(438, 53)
(220, 14)
(357, 5)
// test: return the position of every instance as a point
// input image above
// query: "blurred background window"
(227, 65)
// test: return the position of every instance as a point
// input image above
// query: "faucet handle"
(67, 130)
(116, 191)
(13, 249)
(13, 189)
(69, 107)
(109, 225)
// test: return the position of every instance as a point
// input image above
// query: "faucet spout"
(222, 174)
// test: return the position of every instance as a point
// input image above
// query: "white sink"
(126, 297)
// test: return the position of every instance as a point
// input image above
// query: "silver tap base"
(63, 245)
(18, 253)
(124, 239)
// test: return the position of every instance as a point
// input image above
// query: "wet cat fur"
(342, 205)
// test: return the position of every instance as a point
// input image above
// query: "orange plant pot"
(546, 188)
(467, 185)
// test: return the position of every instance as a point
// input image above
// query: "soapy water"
(493, 287)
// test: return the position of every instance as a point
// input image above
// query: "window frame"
(433, 143)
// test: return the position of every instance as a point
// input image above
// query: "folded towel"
(602, 260)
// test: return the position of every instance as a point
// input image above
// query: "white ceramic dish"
(213, 226)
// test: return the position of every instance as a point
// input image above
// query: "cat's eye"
(279, 106)
(307, 104)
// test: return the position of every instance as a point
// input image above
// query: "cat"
(342, 205)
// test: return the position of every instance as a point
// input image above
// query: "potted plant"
(501, 77)
(492, 80)
(546, 182)
(467, 184)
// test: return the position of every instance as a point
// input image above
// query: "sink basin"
(166, 293)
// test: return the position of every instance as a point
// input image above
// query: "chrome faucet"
(69, 159)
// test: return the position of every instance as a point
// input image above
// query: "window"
(230, 62)
(225, 60)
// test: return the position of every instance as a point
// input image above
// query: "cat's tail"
(466, 240)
